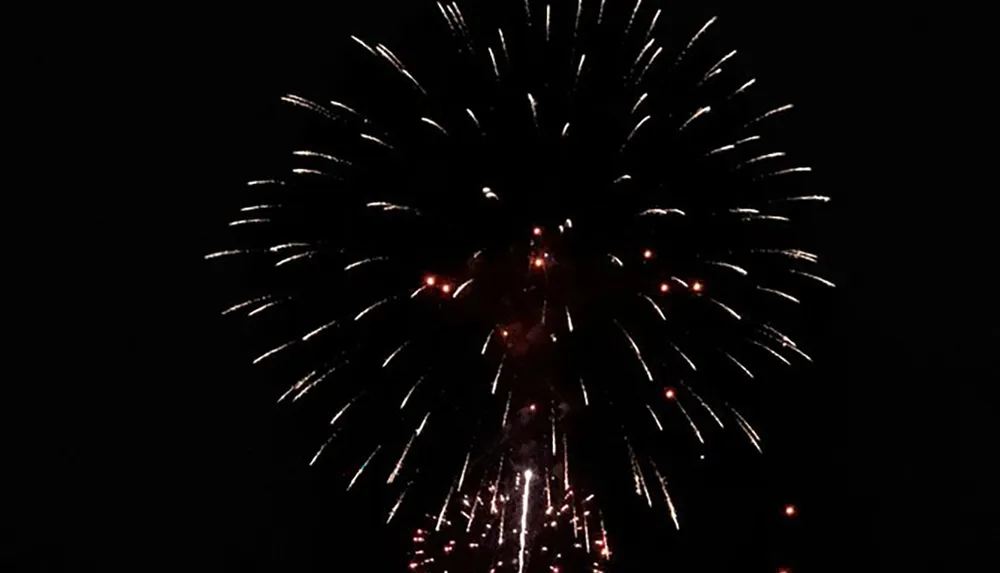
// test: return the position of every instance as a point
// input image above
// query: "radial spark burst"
(577, 208)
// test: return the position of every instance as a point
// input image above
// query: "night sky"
(185, 463)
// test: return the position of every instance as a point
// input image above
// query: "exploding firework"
(518, 520)
(577, 209)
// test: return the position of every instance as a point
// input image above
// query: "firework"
(448, 254)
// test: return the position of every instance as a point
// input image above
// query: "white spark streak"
(313, 172)
(761, 158)
(820, 198)
(579, 69)
(616, 260)
(661, 211)
(743, 87)
(364, 45)
(493, 58)
(307, 104)
(718, 64)
(548, 20)
(418, 291)
(503, 45)
(297, 385)
(434, 124)
(265, 307)
(655, 419)
(785, 172)
(565, 129)
(348, 109)
(248, 222)
(732, 312)
(534, 108)
(474, 120)
(569, 320)
(694, 39)
(749, 431)
(444, 506)
(341, 412)
(623, 178)
(489, 194)
(264, 182)
(659, 311)
(768, 114)
(312, 384)
(486, 343)
(740, 364)
(286, 246)
(638, 59)
(694, 426)
(406, 450)
(218, 254)
(321, 156)
(462, 287)
(586, 401)
(631, 19)
(695, 116)
(679, 281)
(392, 512)
(552, 419)
(815, 278)
(741, 210)
(652, 24)
(729, 266)
(799, 351)
(792, 253)
(565, 463)
(684, 356)
(783, 295)
(506, 410)
(756, 217)
(635, 130)
(666, 496)
(362, 468)
(258, 208)
(704, 405)
(273, 352)
(394, 353)
(576, 23)
(524, 519)
(641, 99)
(319, 452)
(374, 139)
(771, 350)
(461, 477)
(364, 262)
(371, 308)
(732, 146)
(638, 354)
(649, 65)
(497, 377)
(410, 393)
(298, 257)
(600, 12)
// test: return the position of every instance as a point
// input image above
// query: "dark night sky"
(182, 463)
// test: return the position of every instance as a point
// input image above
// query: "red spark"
(664, 288)
(697, 286)
(670, 393)
(531, 407)
(539, 262)
(504, 333)
(791, 510)
(647, 254)
(430, 280)
(537, 231)
(446, 288)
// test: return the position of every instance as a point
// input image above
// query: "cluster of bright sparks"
(517, 520)
(504, 517)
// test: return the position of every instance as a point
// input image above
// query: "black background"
(137, 443)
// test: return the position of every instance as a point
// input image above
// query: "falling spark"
(461, 477)
(623, 178)
(635, 63)
(493, 58)
(792, 253)
(635, 130)
(690, 420)
(660, 211)
(265, 307)
(783, 295)
(319, 452)
(666, 496)
(312, 384)
(313, 172)
(474, 120)
(641, 99)
(821, 198)
(524, 519)
(410, 393)
(362, 468)
(365, 262)
(743, 87)
(785, 172)
(749, 431)
(249, 222)
(406, 450)
(631, 19)
(732, 312)
(761, 158)
(434, 124)
(652, 24)
(586, 402)
(659, 311)
(600, 12)
(371, 308)
(246, 304)
(298, 257)
(321, 156)
(218, 254)
(649, 65)
(732, 146)
(489, 194)
(719, 64)
(799, 351)
(569, 320)
(771, 350)
(694, 39)
(258, 208)
(740, 364)
(766, 115)
(486, 343)
(704, 405)
(461, 288)
(680, 282)
(815, 278)
(503, 45)
(756, 217)
(440, 518)
(552, 418)
(695, 116)
(374, 139)
(399, 501)
(565, 463)
(684, 356)
(273, 352)
(286, 246)
(506, 410)
(655, 419)
(576, 23)
(348, 109)
(395, 352)
(579, 69)
(497, 377)
(341, 412)
(637, 353)
(307, 104)
(616, 260)
(297, 385)
(729, 266)
(264, 182)
(565, 129)
(548, 21)
(534, 108)
(364, 45)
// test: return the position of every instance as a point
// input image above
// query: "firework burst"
(575, 208)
